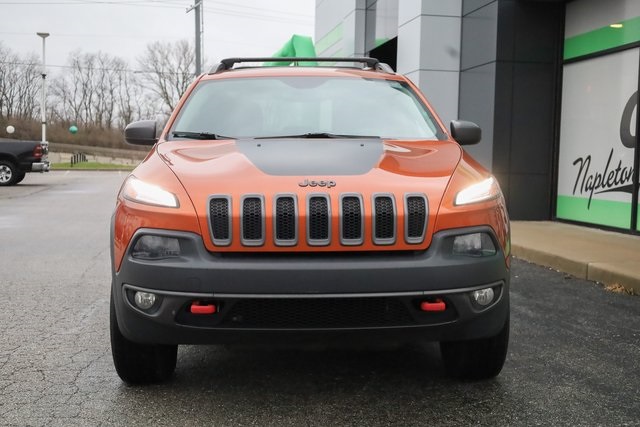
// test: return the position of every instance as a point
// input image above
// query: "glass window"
(597, 139)
(281, 106)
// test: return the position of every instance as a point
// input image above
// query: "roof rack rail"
(373, 63)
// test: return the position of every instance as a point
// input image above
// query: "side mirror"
(465, 133)
(141, 133)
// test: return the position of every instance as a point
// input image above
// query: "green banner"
(297, 46)
(602, 212)
(609, 37)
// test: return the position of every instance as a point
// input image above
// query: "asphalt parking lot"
(573, 358)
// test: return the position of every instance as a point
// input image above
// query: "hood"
(302, 166)
(247, 159)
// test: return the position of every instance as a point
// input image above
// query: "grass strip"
(91, 166)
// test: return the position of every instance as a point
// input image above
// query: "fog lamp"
(483, 297)
(156, 247)
(144, 300)
(476, 244)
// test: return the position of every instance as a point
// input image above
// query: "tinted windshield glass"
(280, 106)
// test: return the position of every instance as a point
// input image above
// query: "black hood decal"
(313, 157)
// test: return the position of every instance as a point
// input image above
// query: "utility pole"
(43, 101)
(198, 13)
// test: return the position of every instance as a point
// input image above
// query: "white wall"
(344, 17)
(429, 50)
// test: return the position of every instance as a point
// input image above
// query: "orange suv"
(308, 203)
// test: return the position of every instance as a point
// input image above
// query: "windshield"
(303, 106)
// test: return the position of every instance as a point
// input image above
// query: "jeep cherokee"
(308, 203)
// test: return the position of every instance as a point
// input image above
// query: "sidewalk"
(602, 256)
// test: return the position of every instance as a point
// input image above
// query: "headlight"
(142, 192)
(156, 247)
(479, 192)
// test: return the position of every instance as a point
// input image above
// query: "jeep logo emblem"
(307, 183)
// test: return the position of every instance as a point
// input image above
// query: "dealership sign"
(597, 139)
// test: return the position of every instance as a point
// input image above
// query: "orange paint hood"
(246, 160)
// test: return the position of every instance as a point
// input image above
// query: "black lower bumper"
(311, 297)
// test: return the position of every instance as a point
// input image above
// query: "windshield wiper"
(198, 135)
(312, 135)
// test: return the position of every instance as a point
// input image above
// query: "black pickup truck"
(19, 157)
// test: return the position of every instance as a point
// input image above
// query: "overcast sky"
(125, 27)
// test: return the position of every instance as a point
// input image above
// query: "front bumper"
(310, 296)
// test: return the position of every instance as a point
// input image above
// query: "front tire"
(8, 173)
(138, 363)
(476, 359)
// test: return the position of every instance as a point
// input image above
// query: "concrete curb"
(606, 257)
(621, 273)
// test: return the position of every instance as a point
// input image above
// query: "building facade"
(553, 84)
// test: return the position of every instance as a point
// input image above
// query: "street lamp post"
(43, 113)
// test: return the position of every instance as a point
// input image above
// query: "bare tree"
(133, 101)
(89, 92)
(72, 90)
(29, 87)
(19, 77)
(128, 98)
(166, 70)
(97, 90)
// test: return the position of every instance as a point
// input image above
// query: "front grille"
(252, 221)
(351, 225)
(318, 220)
(415, 218)
(284, 219)
(312, 313)
(220, 220)
(384, 220)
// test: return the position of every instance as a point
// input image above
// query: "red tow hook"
(198, 307)
(436, 305)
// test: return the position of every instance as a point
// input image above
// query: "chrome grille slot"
(318, 220)
(285, 220)
(351, 219)
(220, 220)
(384, 219)
(415, 211)
(252, 220)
